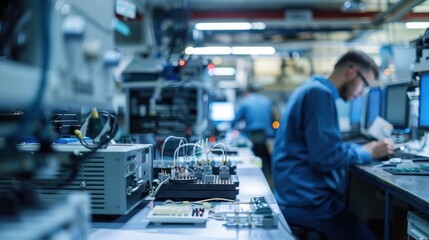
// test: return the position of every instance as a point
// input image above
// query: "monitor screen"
(396, 111)
(355, 111)
(424, 102)
(222, 111)
(373, 106)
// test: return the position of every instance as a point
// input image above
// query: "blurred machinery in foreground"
(118, 177)
(58, 54)
(66, 217)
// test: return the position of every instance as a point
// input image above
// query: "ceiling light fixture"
(224, 71)
(253, 50)
(231, 26)
(208, 51)
(417, 25)
(353, 6)
(230, 50)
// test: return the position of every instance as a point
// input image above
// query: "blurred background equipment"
(171, 101)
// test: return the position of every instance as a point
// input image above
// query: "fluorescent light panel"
(208, 51)
(231, 26)
(224, 71)
(253, 50)
(417, 25)
(230, 50)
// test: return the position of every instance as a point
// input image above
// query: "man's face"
(356, 83)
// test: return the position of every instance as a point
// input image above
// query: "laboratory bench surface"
(136, 225)
(411, 189)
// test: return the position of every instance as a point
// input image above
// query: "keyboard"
(403, 155)
(407, 171)
(408, 156)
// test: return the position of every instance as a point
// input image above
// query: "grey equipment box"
(418, 226)
(117, 177)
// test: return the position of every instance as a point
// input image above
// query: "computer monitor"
(372, 107)
(222, 111)
(397, 107)
(355, 112)
(424, 102)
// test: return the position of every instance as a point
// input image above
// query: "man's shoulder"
(316, 87)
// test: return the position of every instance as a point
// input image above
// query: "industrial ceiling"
(294, 21)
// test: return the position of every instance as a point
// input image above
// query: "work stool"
(304, 233)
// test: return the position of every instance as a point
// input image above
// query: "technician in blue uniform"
(256, 109)
(310, 160)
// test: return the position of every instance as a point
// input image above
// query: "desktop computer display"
(355, 112)
(424, 102)
(397, 105)
(373, 106)
(222, 114)
(222, 111)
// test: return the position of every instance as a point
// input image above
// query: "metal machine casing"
(118, 177)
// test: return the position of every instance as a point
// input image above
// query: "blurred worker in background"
(310, 160)
(256, 110)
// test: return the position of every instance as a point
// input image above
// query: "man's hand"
(381, 148)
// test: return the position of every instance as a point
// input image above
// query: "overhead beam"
(280, 14)
(396, 11)
(323, 15)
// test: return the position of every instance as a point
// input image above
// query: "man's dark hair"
(359, 59)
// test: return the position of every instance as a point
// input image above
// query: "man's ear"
(350, 73)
